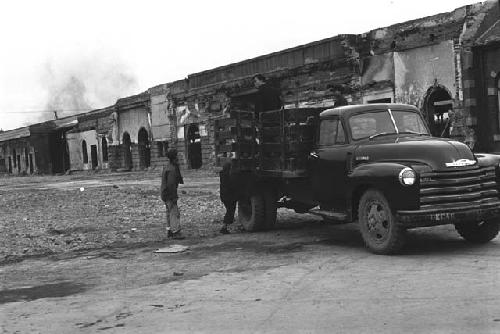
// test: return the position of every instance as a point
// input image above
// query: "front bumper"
(448, 215)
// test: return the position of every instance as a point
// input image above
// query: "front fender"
(384, 176)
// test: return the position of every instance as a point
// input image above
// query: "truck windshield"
(375, 123)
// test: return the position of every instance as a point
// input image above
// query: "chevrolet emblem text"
(461, 163)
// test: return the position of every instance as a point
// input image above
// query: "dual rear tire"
(258, 211)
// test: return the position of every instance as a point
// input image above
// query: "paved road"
(305, 277)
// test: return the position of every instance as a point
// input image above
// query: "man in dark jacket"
(228, 195)
(170, 179)
(268, 97)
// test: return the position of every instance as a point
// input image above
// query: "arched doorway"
(127, 153)
(194, 146)
(437, 109)
(144, 149)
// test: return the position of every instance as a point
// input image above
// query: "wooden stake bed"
(275, 145)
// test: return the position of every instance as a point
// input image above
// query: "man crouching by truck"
(228, 195)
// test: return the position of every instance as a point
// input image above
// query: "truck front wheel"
(478, 232)
(251, 212)
(377, 224)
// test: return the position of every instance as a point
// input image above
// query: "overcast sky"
(76, 55)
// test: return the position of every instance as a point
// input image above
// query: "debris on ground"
(172, 249)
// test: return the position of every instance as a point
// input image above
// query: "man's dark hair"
(260, 77)
(336, 88)
(172, 154)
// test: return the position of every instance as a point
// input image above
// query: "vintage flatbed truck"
(374, 164)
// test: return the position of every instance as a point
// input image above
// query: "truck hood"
(434, 152)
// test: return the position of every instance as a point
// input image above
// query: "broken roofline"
(133, 100)
(450, 19)
(13, 134)
(236, 85)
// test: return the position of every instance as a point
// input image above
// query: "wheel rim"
(377, 222)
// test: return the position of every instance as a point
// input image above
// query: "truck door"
(328, 164)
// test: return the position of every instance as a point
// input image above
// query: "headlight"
(407, 176)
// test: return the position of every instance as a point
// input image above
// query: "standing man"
(340, 100)
(268, 97)
(228, 195)
(170, 179)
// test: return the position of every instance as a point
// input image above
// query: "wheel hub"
(377, 222)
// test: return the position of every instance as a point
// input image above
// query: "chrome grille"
(458, 188)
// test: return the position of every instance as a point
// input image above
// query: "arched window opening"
(438, 107)
(84, 152)
(144, 148)
(104, 149)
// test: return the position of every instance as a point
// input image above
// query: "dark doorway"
(127, 152)
(10, 165)
(104, 145)
(93, 156)
(59, 151)
(194, 146)
(85, 154)
(31, 163)
(14, 156)
(26, 164)
(19, 163)
(438, 107)
(144, 149)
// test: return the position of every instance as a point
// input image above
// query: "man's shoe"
(224, 230)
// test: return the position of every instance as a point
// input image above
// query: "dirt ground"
(77, 256)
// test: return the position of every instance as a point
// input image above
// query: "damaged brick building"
(447, 65)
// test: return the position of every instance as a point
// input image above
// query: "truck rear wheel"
(251, 212)
(378, 226)
(478, 232)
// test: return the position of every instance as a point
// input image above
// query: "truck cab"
(379, 165)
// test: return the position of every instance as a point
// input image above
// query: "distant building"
(26, 150)
(88, 142)
(130, 147)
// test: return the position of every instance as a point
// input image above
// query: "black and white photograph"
(249, 167)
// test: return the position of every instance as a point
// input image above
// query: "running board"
(330, 215)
